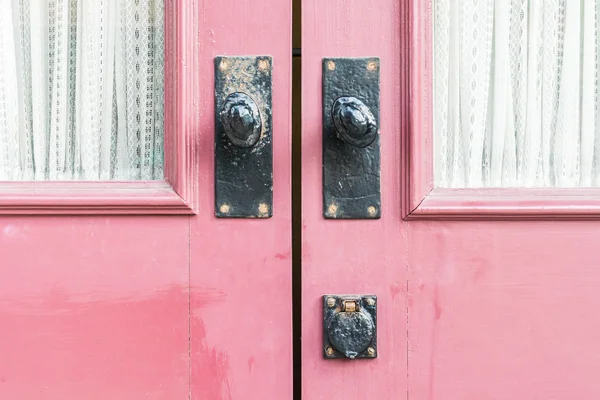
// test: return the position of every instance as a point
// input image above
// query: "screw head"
(224, 208)
(372, 211)
(263, 210)
(372, 66)
(371, 301)
(371, 351)
(223, 65)
(263, 65)
(330, 302)
(332, 209)
(329, 351)
(330, 65)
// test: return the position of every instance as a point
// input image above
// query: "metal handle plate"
(243, 137)
(351, 154)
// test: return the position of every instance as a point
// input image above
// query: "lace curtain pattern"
(81, 89)
(517, 93)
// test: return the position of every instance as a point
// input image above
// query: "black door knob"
(241, 120)
(354, 122)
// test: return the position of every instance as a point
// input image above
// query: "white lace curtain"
(517, 93)
(81, 89)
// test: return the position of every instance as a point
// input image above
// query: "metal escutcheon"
(349, 326)
(351, 138)
(243, 137)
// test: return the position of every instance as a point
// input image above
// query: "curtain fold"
(516, 93)
(81, 89)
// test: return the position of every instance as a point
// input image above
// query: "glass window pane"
(81, 89)
(517, 93)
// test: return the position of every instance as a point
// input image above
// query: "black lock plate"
(351, 174)
(244, 175)
(349, 326)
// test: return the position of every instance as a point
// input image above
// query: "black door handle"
(354, 122)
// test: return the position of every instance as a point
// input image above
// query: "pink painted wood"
(97, 306)
(496, 310)
(353, 256)
(479, 309)
(156, 307)
(241, 306)
(176, 194)
(94, 307)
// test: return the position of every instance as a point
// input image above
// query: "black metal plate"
(244, 176)
(351, 175)
(367, 305)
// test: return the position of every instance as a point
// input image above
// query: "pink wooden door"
(481, 293)
(135, 290)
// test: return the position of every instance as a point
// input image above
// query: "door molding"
(420, 199)
(176, 193)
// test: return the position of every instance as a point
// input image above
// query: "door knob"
(349, 326)
(241, 120)
(354, 122)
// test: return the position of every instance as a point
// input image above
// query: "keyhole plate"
(351, 174)
(244, 175)
(349, 326)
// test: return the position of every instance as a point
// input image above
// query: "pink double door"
(140, 292)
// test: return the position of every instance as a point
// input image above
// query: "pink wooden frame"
(176, 193)
(420, 199)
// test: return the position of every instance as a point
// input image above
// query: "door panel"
(94, 307)
(503, 310)
(502, 302)
(356, 257)
(241, 305)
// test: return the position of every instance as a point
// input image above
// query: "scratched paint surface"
(504, 310)
(241, 269)
(94, 308)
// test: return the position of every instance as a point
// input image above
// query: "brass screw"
(330, 65)
(371, 301)
(332, 209)
(330, 302)
(263, 65)
(372, 66)
(371, 351)
(223, 65)
(329, 351)
(372, 211)
(263, 209)
(224, 208)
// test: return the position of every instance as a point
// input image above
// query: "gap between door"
(297, 196)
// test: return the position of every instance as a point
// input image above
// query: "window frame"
(175, 194)
(420, 199)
